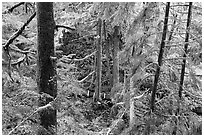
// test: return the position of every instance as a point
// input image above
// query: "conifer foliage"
(101, 68)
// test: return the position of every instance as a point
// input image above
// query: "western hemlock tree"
(46, 78)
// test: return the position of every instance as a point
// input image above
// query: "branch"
(176, 58)
(16, 34)
(62, 26)
(86, 77)
(21, 122)
(140, 96)
(65, 58)
(15, 48)
(179, 5)
(12, 8)
(18, 61)
(40, 109)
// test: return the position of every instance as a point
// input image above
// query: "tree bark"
(185, 49)
(46, 77)
(107, 50)
(116, 43)
(156, 78)
(98, 62)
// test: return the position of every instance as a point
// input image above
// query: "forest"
(101, 68)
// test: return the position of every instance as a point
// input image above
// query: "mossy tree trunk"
(46, 77)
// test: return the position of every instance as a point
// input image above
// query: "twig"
(12, 8)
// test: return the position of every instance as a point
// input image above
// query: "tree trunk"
(98, 63)
(127, 79)
(185, 50)
(107, 51)
(46, 77)
(156, 78)
(116, 43)
(183, 66)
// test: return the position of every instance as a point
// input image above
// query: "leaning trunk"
(185, 50)
(183, 65)
(156, 78)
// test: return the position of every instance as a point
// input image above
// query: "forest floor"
(83, 119)
(76, 115)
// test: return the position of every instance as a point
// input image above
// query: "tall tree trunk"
(107, 49)
(98, 62)
(183, 66)
(46, 78)
(115, 70)
(116, 43)
(156, 78)
(185, 50)
(109, 53)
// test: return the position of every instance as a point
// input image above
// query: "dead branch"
(66, 27)
(178, 5)
(16, 49)
(176, 58)
(18, 61)
(140, 96)
(86, 77)
(16, 34)
(65, 58)
(40, 109)
(12, 8)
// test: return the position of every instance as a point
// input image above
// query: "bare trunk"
(185, 50)
(107, 52)
(156, 78)
(46, 78)
(98, 63)
(115, 55)
(183, 66)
